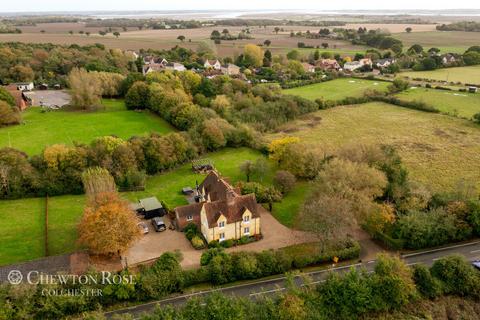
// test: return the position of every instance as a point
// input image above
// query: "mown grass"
(42, 129)
(337, 89)
(287, 210)
(455, 103)
(23, 221)
(438, 150)
(469, 75)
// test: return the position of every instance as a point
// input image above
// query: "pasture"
(454, 103)
(337, 89)
(23, 221)
(438, 150)
(40, 129)
(469, 74)
(446, 41)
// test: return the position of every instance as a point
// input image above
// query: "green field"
(447, 41)
(287, 210)
(438, 150)
(23, 221)
(461, 74)
(42, 129)
(337, 89)
(451, 102)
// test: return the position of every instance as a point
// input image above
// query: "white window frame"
(246, 231)
(221, 224)
(189, 218)
(246, 219)
(221, 237)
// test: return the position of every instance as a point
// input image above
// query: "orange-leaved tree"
(108, 225)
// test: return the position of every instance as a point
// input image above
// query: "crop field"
(337, 89)
(451, 102)
(461, 74)
(42, 129)
(438, 150)
(393, 27)
(58, 33)
(447, 41)
(23, 221)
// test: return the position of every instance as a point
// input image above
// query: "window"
(221, 224)
(189, 218)
(246, 219)
(246, 231)
(222, 236)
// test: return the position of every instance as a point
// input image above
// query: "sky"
(119, 5)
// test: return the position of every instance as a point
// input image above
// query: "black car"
(158, 224)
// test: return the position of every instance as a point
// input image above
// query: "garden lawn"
(438, 150)
(22, 230)
(42, 129)
(337, 89)
(454, 103)
(469, 75)
(23, 221)
(287, 210)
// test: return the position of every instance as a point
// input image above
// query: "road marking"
(264, 292)
(412, 264)
(371, 261)
(440, 249)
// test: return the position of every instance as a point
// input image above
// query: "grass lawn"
(286, 211)
(461, 74)
(22, 227)
(22, 230)
(451, 102)
(43, 129)
(337, 89)
(438, 150)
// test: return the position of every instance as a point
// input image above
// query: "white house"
(383, 63)
(231, 69)
(175, 66)
(25, 86)
(212, 64)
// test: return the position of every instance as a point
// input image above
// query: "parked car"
(158, 224)
(143, 227)
(476, 264)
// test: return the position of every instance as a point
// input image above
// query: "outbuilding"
(150, 208)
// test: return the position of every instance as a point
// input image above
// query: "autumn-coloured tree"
(97, 181)
(85, 89)
(108, 225)
(253, 55)
(8, 115)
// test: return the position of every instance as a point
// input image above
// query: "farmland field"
(461, 74)
(451, 102)
(447, 41)
(23, 221)
(438, 150)
(42, 129)
(337, 89)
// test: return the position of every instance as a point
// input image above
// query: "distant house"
(328, 64)
(22, 101)
(149, 208)
(25, 86)
(308, 67)
(384, 63)
(472, 89)
(175, 66)
(448, 59)
(152, 60)
(355, 65)
(230, 69)
(212, 64)
(221, 212)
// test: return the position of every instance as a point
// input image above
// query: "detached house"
(328, 64)
(221, 212)
(448, 59)
(231, 69)
(308, 67)
(212, 64)
(383, 63)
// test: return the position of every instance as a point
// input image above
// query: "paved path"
(273, 286)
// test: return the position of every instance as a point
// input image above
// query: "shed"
(152, 208)
(472, 89)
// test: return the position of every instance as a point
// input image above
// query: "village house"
(308, 67)
(448, 59)
(384, 63)
(175, 66)
(220, 212)
(355, 65)
(25, 86)
(231, 69)
(21, 101)
(328, 64)
(212, 64)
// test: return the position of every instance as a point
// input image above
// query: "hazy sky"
(90, 5)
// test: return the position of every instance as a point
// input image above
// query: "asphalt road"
(273, 286)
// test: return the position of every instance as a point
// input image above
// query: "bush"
(227, 243)
(197, 242)
(394, 244)
(427, 285)
(191, 230)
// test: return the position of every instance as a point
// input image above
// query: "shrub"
(228, 243)
(284, 181)
(190, 231)
(427, 285)
(197, 242)
(457, 276)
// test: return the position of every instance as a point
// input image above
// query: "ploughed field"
(438, 150)
(40, 129)
(337, 89)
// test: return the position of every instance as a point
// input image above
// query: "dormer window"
(221, 224)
